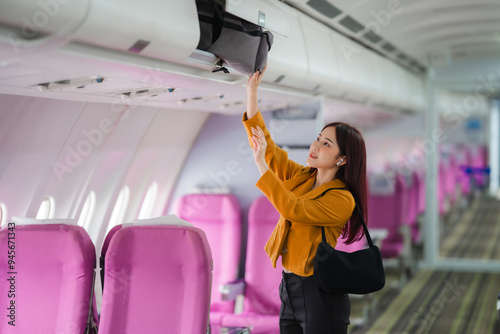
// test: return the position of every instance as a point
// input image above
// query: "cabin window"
(3, 214)
(119, 209)
(47, 208)
(87, 211)
(149, 201)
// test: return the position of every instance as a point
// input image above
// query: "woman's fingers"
(258, 132)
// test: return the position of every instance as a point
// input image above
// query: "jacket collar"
(311, 176)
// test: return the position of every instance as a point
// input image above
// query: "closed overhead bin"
(269, 14)
(166, 30)
(323, 73)
(357, 67)
(34, 19)
(287, 60)
(31, 26)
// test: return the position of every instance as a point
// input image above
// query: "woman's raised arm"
(252, 99)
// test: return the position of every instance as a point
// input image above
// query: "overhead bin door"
(32, 19)
(358, 71)
(266, 13)
(323, 72)
(32, 26)
(167, 30)
(287, 60)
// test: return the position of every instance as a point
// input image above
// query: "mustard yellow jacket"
(303, 211)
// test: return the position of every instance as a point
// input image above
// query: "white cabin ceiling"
(424, 30)
(444, 34)
(460, 38)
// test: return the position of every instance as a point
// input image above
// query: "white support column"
(432, 135)
(494, 152)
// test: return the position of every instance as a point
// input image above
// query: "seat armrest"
(230, 290)
(235, 330)
(378, 235)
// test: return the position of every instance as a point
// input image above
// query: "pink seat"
(157, 280)
(420, 185)
(463, 158)
(54, 267)
(411, 206)
(219, 216)
(104, 249)
(386, 210)
(442, 195)
(262, 303)
(479, 164)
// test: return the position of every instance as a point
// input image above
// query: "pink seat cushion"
(157, 281)
(54, 267)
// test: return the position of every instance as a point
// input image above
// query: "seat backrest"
(104, 249)
(479, 164)
(219, 216)
(420, 185)
(157, 281)
(463, 157)
(51, 280)
(262, 280)
(409, 213)
(385, 200)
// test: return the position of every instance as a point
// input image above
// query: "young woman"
(322, 194)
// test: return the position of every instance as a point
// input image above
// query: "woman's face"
(324, 152)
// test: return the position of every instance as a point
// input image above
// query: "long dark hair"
(353, 174)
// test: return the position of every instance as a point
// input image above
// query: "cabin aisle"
(447, 302)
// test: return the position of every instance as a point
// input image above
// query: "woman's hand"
(259, 149)
(252, 86)
(254, 81)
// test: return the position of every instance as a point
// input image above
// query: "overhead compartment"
(392, 88)
(357, 68)
(401, 97)
(287, 60)
(166, 30)
(323, 75)
(32, 19)
(266, 13)
(33, 26)
(416, 93)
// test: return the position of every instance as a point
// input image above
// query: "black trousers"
(305, 309)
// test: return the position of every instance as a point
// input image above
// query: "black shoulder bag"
(359, 272)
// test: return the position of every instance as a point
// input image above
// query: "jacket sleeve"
(276, 158)
(333, 209)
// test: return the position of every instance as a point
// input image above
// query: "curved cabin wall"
(66, 149)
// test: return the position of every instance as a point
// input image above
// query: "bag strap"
(367, 234)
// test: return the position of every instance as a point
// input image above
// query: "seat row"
(397, 199)
(157, 276)
(258, 305)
